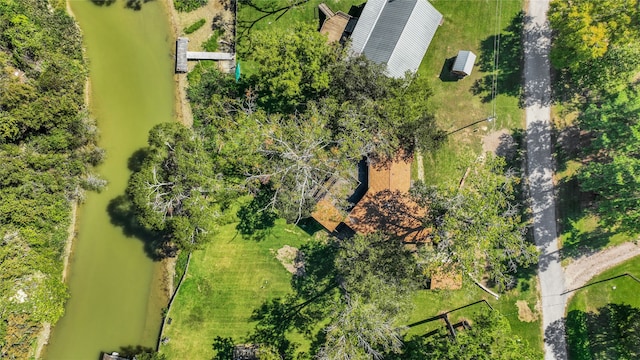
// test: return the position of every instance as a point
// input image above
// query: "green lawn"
(226, 281)
(593, 329)
(472, 25)
(430, 303)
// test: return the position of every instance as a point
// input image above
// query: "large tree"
(376, 275)
(477, 227)
(596, 40)
(612, 166)
(490, 338)
(176, 189)
(291, 66)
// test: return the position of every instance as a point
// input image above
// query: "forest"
(47, 151)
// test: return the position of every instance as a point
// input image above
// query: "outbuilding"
(464, 63)
(396, 33)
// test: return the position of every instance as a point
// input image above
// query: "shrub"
(195, 26)
(189, 5)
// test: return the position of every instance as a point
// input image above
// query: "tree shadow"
(122, 215)
(256, 218)
(129, 4)
(135, 4)
(554, 338)
(305, 308)
(103, 2)
(508, 79)
(610, 332)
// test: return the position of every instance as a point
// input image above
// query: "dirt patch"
(524, 312)
(579, 272)
(292, 259)
(495, 140)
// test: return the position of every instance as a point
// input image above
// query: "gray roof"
(396, 32)
(464, 62)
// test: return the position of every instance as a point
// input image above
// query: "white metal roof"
(396, 32)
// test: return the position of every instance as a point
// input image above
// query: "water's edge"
(158, 292)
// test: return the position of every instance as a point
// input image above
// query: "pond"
(116, 288)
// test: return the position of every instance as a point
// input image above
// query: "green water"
(116, 296)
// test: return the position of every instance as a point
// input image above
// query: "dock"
(183, 56)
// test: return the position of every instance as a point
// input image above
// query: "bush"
(189, 5)
(212, 43)
(195, 26)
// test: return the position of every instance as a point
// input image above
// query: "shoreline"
(44, 336)
(182, 110)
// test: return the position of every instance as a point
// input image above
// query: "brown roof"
(334, 26)
(389, 211)
(327, 214)
(392, 175)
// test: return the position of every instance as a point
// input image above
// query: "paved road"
(539, 171)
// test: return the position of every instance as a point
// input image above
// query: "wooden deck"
(181, 55)
(195, 55)
(335, 26)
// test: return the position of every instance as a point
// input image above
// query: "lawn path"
(540, 167)
(579, 272)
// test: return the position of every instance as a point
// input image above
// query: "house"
(464, 63)
(395, 32)
(386, 205)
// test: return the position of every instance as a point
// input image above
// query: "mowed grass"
(584, 328)
(226, 281)
(472, 25)
(430, 303)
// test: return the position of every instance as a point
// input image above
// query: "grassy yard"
(513, 305)
(472, 25)
(599, 314)
(226, 281)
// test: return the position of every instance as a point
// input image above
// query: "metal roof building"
(464, 63)
(396, 32)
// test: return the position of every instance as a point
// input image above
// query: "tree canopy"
(306, 114)
(596, 40)
(489, 338)
(47, 150)
(176, 190)
(477, 228)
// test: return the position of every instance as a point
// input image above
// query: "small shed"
(464, 63)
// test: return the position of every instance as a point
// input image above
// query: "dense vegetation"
(189, 5)
(595, 48)
(278, 135)
(47, 149)
(305, 114)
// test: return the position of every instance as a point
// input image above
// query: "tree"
(590, 33)
(376, 275)
(609, 332)
(477, 228)
(489, 338)
(291, 66)
(176, 190)
(299, 155)
(612, 168)
(375, 115)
